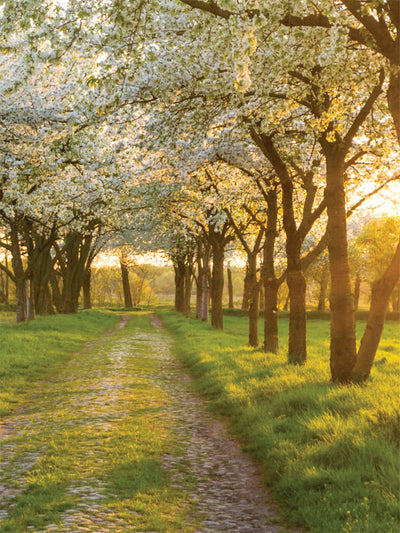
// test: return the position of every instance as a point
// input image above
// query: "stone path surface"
(88, 402)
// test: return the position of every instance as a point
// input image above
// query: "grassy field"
(330, 453)
(31, 351)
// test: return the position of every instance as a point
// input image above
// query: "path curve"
(226, 493)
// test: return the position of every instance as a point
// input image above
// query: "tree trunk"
(179, 268)
(76, 250)
(246, 289)
(217, 282)
(56, 299)
(187, 292)
(393, 98)
(205, 302)
(343, 333)
(323, 287)
(42, 267)
(261, 292)
(271, 284)
(19, 273)
(396, 300)
(253, 300)
(230, 288)
(356, 295)
(271, 340)
(125, 284)
(298, 319)
(20, 298)
(287, 302)
(381, 291)
(86, 288)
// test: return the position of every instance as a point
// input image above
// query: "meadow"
(330, 453)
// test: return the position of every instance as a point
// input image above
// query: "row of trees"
(213, 122)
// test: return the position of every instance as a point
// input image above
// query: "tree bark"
(261, 291)
(179, 268)
(343, 333)
(323, 287)
(86, 288)
(217, 281)
(230, 288)
(271, 284)
(253, 300)
(298, 319)
(246, 289)
(381, 291)
(271, 315)
(396, 300)
(187, 291)
(202, 279)
(125, 284)
(356, 294)
(393, 98)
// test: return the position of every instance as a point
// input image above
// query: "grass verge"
(32, 351)
(330, 453)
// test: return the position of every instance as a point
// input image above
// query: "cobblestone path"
(80, 429)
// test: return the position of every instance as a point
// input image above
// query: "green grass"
(330, 453)
(92, 421)
(32, 351)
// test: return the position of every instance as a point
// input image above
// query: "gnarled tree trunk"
(230, 288)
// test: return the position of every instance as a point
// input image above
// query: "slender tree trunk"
(187, 292)
(253, 301)
(246, 289)
(393, 97)
(343, 333)
(323, 287)
(199, 280)
(86, 288)
(179, 268)
(125, 284)
(19, 273)
(230, 288)
(381, 291)
(217, 282)
(357, 285)
(205, 303)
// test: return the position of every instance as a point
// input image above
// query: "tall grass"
(31, 351)
(330, 453)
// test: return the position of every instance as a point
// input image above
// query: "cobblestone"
(227, 494)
